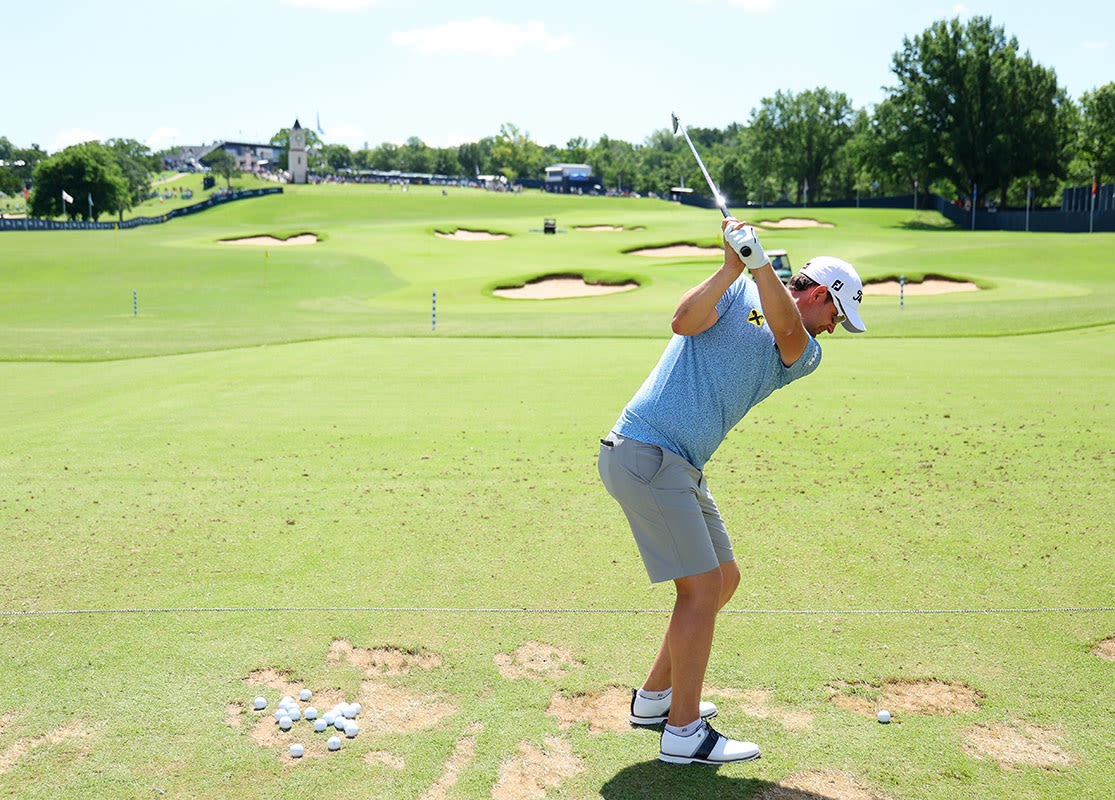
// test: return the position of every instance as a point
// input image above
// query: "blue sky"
(191, 71)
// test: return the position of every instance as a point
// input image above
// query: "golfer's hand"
(741, 242)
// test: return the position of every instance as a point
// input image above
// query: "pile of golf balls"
(341, 718)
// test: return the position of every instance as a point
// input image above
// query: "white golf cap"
(845, 285)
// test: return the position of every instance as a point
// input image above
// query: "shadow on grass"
(942, 225)
(675, 782)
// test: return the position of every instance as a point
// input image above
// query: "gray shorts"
(667, 502)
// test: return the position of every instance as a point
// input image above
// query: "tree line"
(969, 113)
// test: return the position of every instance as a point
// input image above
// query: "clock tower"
(296, 154)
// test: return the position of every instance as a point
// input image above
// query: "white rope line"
(435, 610)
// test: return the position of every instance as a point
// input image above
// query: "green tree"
(515, 154)
(445, 161)
(1097, 131)
(995, 116)
(337, 156)
(474, 157)
(85, 171)
(801, 135)
(386, 157)
(10, 182)
(576, 150)
(416, 156)
(136, 165)
(221, 162)
(281, 141)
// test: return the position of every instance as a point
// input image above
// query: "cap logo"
(859, 296)
(837, 285)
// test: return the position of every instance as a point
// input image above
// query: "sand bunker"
(933, 284)
(820, 785)
(536, 661)
(551, 287)
(464, 235)
(271, 241)
(901, 696)
(1105, 649)
(536, 770)
(606, 228)
(1018, 744)
(794, 222)
(603, 711)
(380, 660)
(678, 251)
(758, 703)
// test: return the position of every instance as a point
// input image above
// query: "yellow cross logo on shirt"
(755, 318)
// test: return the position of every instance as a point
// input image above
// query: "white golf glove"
(746, 244)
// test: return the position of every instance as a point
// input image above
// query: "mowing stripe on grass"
(433, 610)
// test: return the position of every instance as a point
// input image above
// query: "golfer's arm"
(781, 314)
(697, 310)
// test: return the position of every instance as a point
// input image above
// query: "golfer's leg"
(661, 678)
(690, 641)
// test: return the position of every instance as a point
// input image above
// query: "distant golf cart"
(781, 263)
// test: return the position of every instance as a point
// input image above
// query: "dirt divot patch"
(603, 711)
(465, 235)
(821, 785)
(535, 770)
(678, 251)
(271, 241)
(906, 696)
(463, 753)
(391, 709)
(536, 661)
(71, 730)
(931, 285)
(552, 287)
(234, 713)
(385, 757)
(380, 660)
(1018, 744)
(1105, 649)
(758, 703)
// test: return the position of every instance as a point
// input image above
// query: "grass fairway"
(286, 432)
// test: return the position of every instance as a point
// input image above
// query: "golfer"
(736, 341)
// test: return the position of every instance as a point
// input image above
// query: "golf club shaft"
(715, 192)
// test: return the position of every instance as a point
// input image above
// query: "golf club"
(716, 196)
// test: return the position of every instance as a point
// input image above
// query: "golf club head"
(674, 120)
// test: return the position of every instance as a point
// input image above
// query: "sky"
(174, 72)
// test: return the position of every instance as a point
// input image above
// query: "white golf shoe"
(646, 713)
(705, 746)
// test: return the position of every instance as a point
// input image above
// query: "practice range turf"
(280, 428)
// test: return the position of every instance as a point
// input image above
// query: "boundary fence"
(31, 224)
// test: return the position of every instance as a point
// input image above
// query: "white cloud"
(1095, 45)
(344, 133)
(162, 138)
(71, 137)
(754, 5)
(482, 36)
(333, 5)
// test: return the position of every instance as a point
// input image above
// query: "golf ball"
(334, 743)
(351, 729)
(305, 695)
(319, 725)
(330, 717)
(286, 700)
(285, 723)
(259, 703)
(297, 750)
(884, 716)
(295, 714)
(310, 712)
(339, 723)
(356, 709)
(349, 711)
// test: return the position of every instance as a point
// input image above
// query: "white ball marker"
(884, 716)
